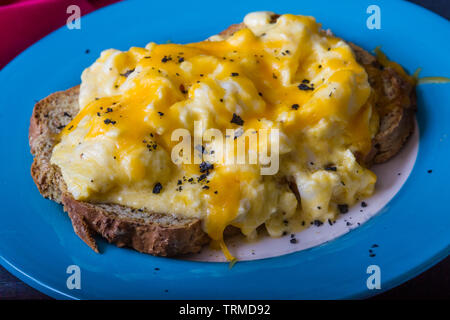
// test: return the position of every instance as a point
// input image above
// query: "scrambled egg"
(286, 75)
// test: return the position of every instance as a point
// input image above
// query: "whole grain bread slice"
(165, 234)
(396, 105)
(149, 232)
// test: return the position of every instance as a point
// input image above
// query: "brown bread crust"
(396, 106)
(133, 231)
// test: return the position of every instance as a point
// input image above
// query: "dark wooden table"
(432, 284)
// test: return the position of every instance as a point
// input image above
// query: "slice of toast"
(149, 232)
(396, 106)
(165, 234)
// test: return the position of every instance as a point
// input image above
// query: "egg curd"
(286, 74)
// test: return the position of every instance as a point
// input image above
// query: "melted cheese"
(119, 145)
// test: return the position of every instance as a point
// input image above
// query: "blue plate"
(37, 242)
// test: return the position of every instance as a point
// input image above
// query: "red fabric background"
(23, 22)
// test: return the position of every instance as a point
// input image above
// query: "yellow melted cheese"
(119, 145)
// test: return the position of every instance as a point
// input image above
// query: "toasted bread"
(149, 232)
(165, 234)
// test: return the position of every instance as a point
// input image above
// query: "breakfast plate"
(402, 229)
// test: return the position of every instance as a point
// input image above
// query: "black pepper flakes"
(318, 223)
(234, 74)
(237, 120)
(157, 188)
(109, 121)
(205, 167)
(330, 167)
(127, 73)
(183, 89)
(295, 106)
(165, 59)
(343, 208)
(304, 87)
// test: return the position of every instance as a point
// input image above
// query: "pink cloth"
(23, 22)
